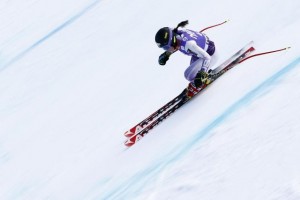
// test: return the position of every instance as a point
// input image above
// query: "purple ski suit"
(198, 46)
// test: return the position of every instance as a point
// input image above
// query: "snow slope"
(74, 76)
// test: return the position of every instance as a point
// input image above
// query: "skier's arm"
(193, 47)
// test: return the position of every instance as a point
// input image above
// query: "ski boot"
(202, 78)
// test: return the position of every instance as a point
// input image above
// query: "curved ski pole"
(214, 26)
(260, 54)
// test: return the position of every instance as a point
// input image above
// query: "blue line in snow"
(248, 98)
(50, 34)
(133, 187)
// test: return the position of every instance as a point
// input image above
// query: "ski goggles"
(170, 44)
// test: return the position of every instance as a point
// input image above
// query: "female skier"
(192, 43)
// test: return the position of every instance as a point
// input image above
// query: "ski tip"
(287, 48)
(128, 134)
(129, 143)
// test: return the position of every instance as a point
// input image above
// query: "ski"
(232, 58)
(141, 125)
(138, 131)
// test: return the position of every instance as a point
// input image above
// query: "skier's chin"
(172, 49)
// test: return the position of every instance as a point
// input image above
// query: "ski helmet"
(165, 38)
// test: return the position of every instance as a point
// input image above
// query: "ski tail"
(247, 47)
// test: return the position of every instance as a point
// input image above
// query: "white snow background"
(75, 75)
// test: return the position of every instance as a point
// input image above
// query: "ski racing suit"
(198, 46)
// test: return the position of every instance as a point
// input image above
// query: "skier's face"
(174, 46)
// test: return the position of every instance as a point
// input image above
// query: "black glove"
(163, 58)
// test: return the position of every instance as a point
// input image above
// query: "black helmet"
(164, 37)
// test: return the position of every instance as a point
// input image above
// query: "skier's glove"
(163, 58)
(201, 78)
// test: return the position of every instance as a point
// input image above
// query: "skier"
(192, 43)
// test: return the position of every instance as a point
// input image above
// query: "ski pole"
(214, 26)
(263, 53)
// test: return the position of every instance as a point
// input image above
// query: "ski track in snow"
(56, 30)
(131, 188)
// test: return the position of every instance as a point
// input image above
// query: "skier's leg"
(191, 72)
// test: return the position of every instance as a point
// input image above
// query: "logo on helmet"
(166, 35)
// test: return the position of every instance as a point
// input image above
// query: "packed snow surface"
(75, 75)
